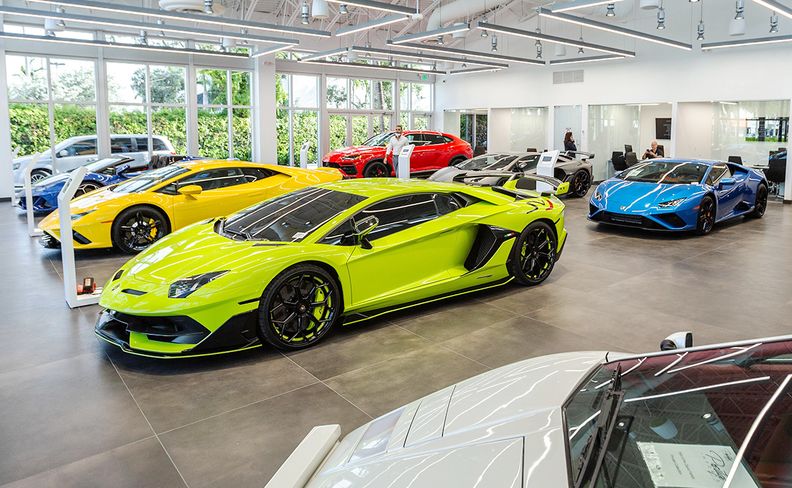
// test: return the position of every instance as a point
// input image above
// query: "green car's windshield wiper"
(593, 455)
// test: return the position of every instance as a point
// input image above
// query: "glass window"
(121, 145)
(213, 132)
(361, 94)
(400, 213)
(26, 77)
(527, 128)
(610, 128)
(337, 93)
(79, 148)
(29, 124)
(240, 88)
(290, 217)
(716, 173)
(169, 123)
(338, 131)
(214, 179)
(382, 95)
(168, 84)
(305, 128)
(282, 90)
(211, 86)
(242, 127)
(404, 96)
(304, 94)
(282, 134)
(126, 83)
(73, 80)
(70, 120)
(128, 119)
(420, 97)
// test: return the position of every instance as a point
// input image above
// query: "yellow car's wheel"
(136, 228)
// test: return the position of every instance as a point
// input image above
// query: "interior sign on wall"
(663, 128)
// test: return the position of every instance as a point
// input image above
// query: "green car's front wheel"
(534, 254)
(299, 307)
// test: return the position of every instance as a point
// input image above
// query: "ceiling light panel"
(568, 6)
(776, 7)
(555, 39)
(375, 66)
(471, 54)
(451, 29)
(382, 6)
(746, 42)
(371, 24)
(432, 57)
(590, 59)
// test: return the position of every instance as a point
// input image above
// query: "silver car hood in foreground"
(502, 428)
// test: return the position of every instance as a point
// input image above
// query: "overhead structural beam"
(423, 56)
(376, 66)
(776, 7)
(371, 4)
(372, 24)
(472, 70)
(451, 29)
(576, 4)
(472, 54)
(132, 24)
(554, 39)
(581, 21)
(325, 54)
(120, 8)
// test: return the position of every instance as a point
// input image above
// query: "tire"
(760, 203)
(581, 183)
(456, 160)
(136, 228)
(39, 174)
(534, 254)
(86, 187)
(376, 169)
(299, 307)
(706, 216)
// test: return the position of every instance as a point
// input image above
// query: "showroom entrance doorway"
(353, 129)
(473, 129)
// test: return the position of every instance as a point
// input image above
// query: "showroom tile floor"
(78, 413)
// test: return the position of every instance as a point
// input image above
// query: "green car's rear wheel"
(534, 254)
(299, 307)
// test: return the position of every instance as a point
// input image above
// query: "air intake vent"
(575, 76)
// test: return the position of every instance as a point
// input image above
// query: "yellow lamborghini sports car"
(137, 212)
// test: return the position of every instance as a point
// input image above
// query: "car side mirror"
(363, 228)
(190, 190)
(677, 340)
(727, 182)
(63, 153)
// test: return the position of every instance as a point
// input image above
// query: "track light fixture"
(61, 23)
(343, 9)
(700, 28)
(484, 33)
(208, 7)
(304, 13)
(142, 38)
(494, 43)
(440, 41)
(737, 24)
(661, 18)
(773, 23)
(539, 50)
(610, 10)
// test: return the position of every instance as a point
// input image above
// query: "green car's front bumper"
(176, 336)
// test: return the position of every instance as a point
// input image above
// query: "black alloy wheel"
(534, 254)
(137, 228)
(706, 216)
(299, 307)
(760, 204)
(376, 169)
(581, 183)
(86, 188)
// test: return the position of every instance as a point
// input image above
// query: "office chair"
(661, 149)
(480, 149)
(628, 148)
(630, 159)
(154, 162)
(618, 161)
(735, 159)
(776, 174)
(531, 150)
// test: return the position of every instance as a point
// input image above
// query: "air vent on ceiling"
(575, 76)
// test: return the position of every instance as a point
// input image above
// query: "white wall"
(648, 128)
(694, 132)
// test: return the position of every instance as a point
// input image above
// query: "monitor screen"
(628, 148)
(547, 158)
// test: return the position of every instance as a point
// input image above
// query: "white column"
(550, 142)
(265, 136)
(674, 119)
(324, 120)
(102, 108)
(192, 111)
(6, 156)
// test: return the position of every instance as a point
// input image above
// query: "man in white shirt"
(395, 145)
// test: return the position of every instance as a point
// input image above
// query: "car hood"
(359, 150)
(635, 196)
(54, 182)
(446, 174)
(502, 428)
(89, 202)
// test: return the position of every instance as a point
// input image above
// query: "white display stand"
(546, 167)
(67, 243)
(304, 155)
(31, 221)
(404, 161)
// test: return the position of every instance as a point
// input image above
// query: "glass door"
(360, 129)
(339, 125)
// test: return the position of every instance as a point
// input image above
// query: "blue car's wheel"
(706, 216)
(534, 254)
(86, 187)
(299, 307)
(760, 204)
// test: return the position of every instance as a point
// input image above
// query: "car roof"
(392, 187)
(708, 162)
(225, 163)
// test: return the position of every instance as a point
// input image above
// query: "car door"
(420, 160)
(76, 154)
(420, 241)
(220, 195)
(728, 195)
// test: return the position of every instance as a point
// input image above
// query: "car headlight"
(185, 287)
(16, 166)
(671, 203)
(350, 157)
(80, 215)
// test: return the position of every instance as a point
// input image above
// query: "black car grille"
(346, 168)
(626, 220)
(671, 219)
(177, 329)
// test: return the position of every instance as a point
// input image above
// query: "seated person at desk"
(569, 142)
(654, 152)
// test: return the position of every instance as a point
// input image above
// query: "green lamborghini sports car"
(287, 270)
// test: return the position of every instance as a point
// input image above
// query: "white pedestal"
(404, 161)
(546, 167)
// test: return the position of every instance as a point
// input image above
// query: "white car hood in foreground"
(502, 428)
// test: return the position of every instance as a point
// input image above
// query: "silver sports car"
(711, 416)
(571, 166)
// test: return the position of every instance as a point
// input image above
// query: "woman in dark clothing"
(569, 142)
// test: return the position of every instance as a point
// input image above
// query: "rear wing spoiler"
(580, 155)
(514, 182)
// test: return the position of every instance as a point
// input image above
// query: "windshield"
(290, 217)
(149, 179)
(685, 417)
(379, 139)
(490, 161)
(671, 172)
(98, 166)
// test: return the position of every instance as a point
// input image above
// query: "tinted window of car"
(716, 173)
(290, 217)
(121, 145)
(400, 213)
(526, 163)
(448, 202)
(159, 145)
(255, 174)
(150, 179)
(434, 139)
(417, 139)
(142, 143)
(82, 148)
(447, 139)
(214, 179)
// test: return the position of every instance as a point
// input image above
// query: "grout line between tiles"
(443, 346)
(147, 421)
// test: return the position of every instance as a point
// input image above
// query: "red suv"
(433, 150)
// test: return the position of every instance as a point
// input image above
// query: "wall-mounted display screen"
(663, 128)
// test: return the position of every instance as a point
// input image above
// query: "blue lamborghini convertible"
(679, 195)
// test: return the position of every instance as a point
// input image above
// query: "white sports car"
(689, 417)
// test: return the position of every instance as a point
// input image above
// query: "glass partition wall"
(610, 127)
(358, 109)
